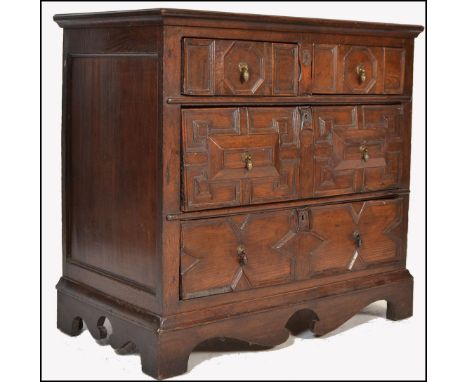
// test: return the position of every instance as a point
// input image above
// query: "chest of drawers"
(230, 178)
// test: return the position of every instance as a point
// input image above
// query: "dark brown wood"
(165, 345)
(293, 155)
(340, 136)
(222, 172)
(335, 69)
(388, 194)
(213, 67)
(288, 245)
(112, 171)
(229, 20)
(216, 143)
(332, 99)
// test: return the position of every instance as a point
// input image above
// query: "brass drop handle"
(244, 72)
(242, 255)
(364, 153)
(247, 158)
(361, 72)
(357, 240)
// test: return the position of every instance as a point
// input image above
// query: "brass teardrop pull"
(364, 153)
(242, 255)
(244, 72)
(361, 72)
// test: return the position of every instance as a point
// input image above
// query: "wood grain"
(288, 245)
(232, 20)
(165, 345)
(212, 67)
(206, 207)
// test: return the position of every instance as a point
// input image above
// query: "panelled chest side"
(223, 171)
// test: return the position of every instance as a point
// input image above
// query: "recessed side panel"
(112, 169)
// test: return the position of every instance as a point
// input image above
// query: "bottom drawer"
(252, 250)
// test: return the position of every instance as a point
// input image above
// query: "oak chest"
(230, 178)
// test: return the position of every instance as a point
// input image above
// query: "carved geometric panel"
(199, 66)
(291, 245)
(216, 143)
(239, 67)
(202, 251)
(251, 54)
(375, 222)
(394, 70)
(285, 69)
(198, 126)
(353, 69)
(355, 57)
(357, 149)
(382, 127)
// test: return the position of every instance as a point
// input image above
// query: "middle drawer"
(251, 155)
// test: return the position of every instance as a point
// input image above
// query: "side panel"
(261, 249)
(112, 166)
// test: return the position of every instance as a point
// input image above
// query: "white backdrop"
(366, 347)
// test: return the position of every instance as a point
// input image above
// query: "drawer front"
(239, 156)
(349, 69)
(357, 149)
(271, 248)
(242, 156)
(245, 68)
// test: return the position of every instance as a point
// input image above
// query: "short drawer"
(242, 68)
(350, 69)
(258, 249)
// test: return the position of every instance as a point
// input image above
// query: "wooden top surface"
(186, 17)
